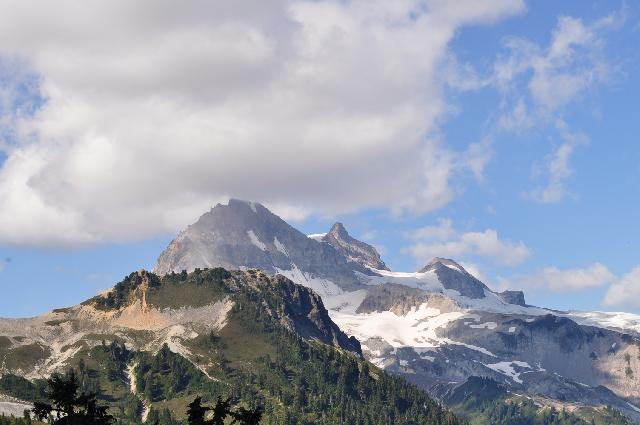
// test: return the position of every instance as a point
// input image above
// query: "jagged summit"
(338, 230)
(243, 235)
(438, 262)
(453, 276)
(353, 249)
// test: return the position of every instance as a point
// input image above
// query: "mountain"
(244, 235)
(484, 401)
(353, 249)
(152, 343)
(436, 327)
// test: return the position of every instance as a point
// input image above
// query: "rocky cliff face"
(454, 276)
(305, 314)
(353, 249)
(244, 235)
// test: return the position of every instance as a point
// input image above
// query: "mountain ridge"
(441, 325)
(152, 343)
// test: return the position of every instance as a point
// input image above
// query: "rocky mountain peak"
(453, 276)
(338, 231)
(353, 249)
(246, 235)
(439, 262)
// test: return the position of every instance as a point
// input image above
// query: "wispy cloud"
(557, 168)
(539, 83)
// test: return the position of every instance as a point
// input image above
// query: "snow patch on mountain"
(346, 302)
(254, 240)
(618, 320)
(508, 369)
(323, 287)
(427, 281)
(417, 329)
(487, 325)
(633, 407)
(279, 246)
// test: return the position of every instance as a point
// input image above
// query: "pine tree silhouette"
(67, 407)
(196, 413)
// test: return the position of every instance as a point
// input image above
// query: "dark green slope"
(482, 401)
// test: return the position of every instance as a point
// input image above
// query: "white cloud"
(444, 241)
(555, 75)
(154, 111)
(442, 231)
(488, 244)
(551, 278)
(625, 292)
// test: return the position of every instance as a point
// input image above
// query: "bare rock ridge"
(513, 297)
(306, 314)
(353, 249)
(243, 235)
(453, 276)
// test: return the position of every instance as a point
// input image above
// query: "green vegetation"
(256, 361)
(526, 412)
(196, 413)
(21, 388)
(174, 290)
(66, 406)
(483, 401)
(23, 356)
(197, 289)
(167, 375)
(259, 364)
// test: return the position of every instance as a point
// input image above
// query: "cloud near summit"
(147, 113)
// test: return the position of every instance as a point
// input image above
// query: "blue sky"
(501, 134)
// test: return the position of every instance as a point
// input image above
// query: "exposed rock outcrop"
(353, 249)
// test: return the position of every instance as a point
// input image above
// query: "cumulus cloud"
(442, 231)
(570, 280)
(442, 240)
(625, 292)
(153, 111)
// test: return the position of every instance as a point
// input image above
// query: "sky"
(499, 133)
